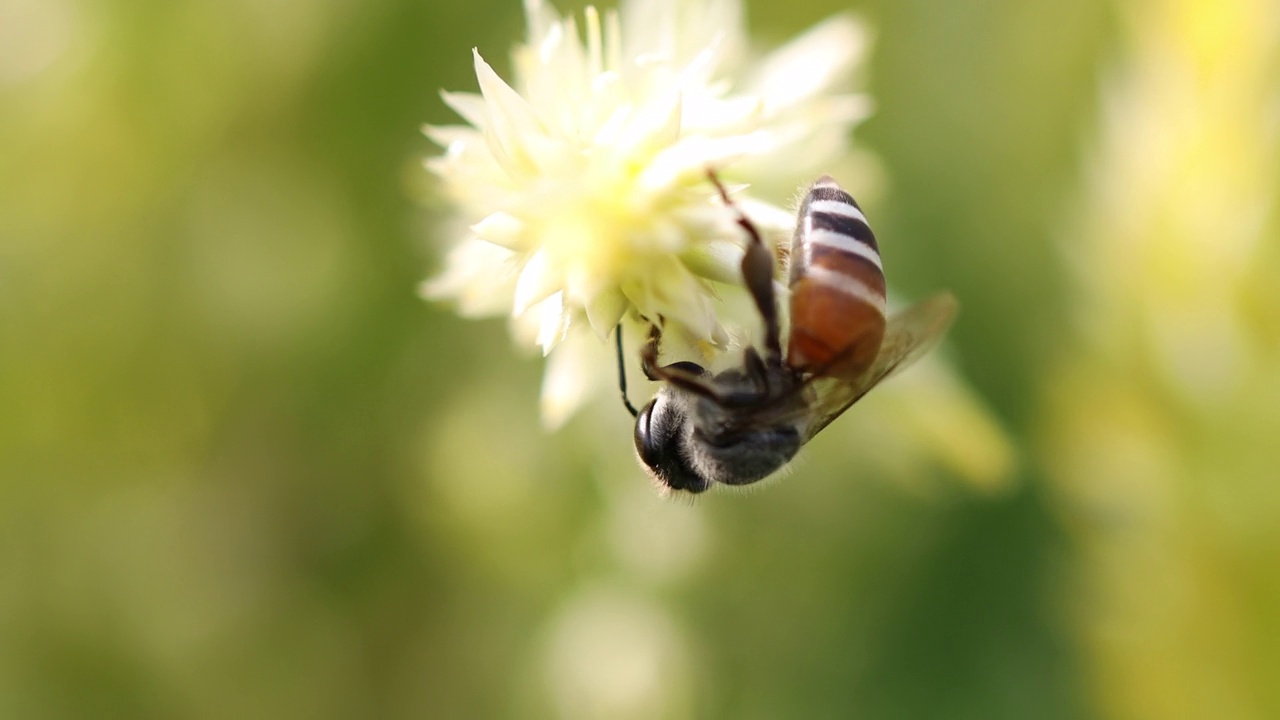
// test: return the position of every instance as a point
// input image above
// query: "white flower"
(584, 180)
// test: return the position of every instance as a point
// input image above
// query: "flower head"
(584, 183)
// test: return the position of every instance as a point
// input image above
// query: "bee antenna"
(622, 374)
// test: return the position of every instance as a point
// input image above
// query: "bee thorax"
(745, 457)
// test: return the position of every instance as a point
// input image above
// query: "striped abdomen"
(837, 285)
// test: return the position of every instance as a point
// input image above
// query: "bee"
(743, 424)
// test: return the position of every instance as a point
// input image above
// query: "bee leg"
(755, 369)
(649, 354)
(684, 375)
(622, 374)
(757, 273)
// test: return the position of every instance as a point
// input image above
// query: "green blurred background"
(245, 471)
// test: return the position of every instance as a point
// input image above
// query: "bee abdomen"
(837, 285)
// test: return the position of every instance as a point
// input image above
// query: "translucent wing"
(909, 335)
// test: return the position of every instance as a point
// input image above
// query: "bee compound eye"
(646, 447)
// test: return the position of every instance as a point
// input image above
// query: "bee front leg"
(649, 354)
(684, 375)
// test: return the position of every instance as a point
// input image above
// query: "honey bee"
(743, 424)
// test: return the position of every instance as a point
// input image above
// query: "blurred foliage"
(245, 471)
(1162, 420)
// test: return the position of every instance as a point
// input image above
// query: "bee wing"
(908, 335)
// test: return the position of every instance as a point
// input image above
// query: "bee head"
(660, 433)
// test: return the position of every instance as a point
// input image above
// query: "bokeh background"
(246, 472)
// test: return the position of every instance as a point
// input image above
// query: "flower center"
(598, 228)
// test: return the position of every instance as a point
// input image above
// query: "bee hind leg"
(757, 274)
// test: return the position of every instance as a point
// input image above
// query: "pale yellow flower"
(583, 180)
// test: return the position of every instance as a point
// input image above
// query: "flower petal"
(690, 158)
(478, 275)
(678, 30)
(654, 126)
(572, 375)
(676, 294)
(541, 18)
(538, 281)
(513, 128)
(553, 321)
(604, 312)
(447, 136)
(718, 260)
(469, 106)
(813, 63)
(502, 229)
